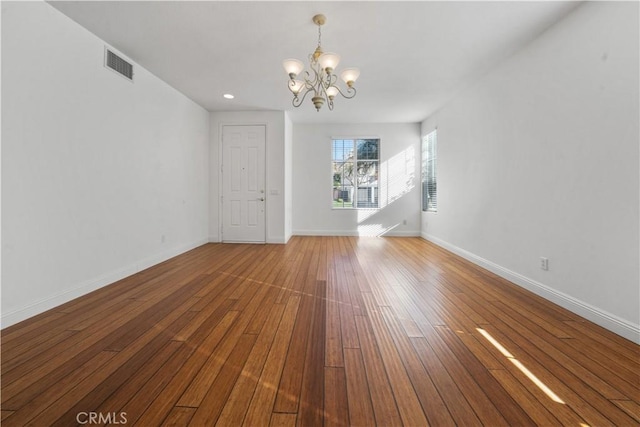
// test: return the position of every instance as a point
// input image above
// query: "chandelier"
(321, 80)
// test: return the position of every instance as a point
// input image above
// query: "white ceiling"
(413, 56)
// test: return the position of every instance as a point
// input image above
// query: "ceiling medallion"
(321, 80)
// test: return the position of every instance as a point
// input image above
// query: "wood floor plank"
(563, 412)
(236, 405)
(567, 356)
(199, 386)
(459, 408)
(92, 391)
(291, 380)
(620, 375)
(279, 419)
(534, 408)
(627, 353)
(263, 312)
(333, 339)
(336, 406)
(410, 410)
(179, 416)
(512, 413)
(262, 402)
(208, 372)
(432, 404)
(156, 385)
(348, 307)
(630, 407)
(483, 406)
(320, 331)
(47, 397)
(294, 277)
(211, 406)
(567, 388)
(358, 394)
(31, 328)
(48, 372)
(27, 350)
(311, 410)
(382, 396)
(288, 391)
(138, 381)
(161, 407)
(409, 325)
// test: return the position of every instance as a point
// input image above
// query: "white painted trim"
(391, 233)
(91, 285)
(598, 316)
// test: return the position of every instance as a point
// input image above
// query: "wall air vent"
(117, 64)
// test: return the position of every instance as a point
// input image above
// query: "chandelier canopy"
(321, 79)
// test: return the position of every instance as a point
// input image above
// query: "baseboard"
(279, 240)
(40, 306)
(600, 317)
(170, 253)
(271, 240)
(356, 233)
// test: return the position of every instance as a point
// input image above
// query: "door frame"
(220, 186)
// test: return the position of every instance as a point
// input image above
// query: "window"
(354, 164)
(429, 180)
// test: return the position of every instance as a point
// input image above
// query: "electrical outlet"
(544, 263)
(404, 222)
(162, 239)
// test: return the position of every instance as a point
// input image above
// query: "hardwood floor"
(323, 330)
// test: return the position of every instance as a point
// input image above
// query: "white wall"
(288, 177)
(101, 177)
(399, 179)
(540, 158)
(275, 152)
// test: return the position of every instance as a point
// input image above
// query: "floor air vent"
(117, 64)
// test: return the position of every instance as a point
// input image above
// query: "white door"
(243, 194)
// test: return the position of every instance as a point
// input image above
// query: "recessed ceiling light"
(228, 96)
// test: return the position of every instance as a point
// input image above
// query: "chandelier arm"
(316, 77)
(332, 79)
(322, 89)
(319, 85)
(351, 92)
(307, 79)
(324, 85)
(297, 101)
(291, 85)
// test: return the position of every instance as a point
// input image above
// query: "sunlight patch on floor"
(542, 386)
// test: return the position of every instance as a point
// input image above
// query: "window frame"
(374, 193)
(429, 175)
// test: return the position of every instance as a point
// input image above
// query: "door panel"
(243, 183)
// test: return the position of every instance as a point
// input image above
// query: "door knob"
(261, 199)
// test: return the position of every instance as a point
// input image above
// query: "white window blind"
(429, 175)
